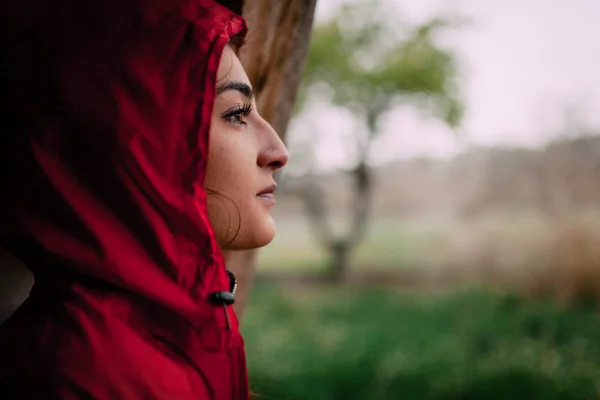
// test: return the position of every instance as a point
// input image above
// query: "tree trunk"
(339, 247)
(274, 57)
(339, 261)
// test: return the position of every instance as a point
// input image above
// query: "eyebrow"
(241, 87)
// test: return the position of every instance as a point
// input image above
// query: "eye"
(238, 114)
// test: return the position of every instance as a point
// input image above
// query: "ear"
(234, 5)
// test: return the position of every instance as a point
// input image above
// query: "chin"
(256, 243)
(257, 235)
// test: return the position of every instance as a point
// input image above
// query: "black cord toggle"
(226, 298)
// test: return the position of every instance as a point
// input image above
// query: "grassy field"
(369, 344)
(396, 242)
(526, 251)
(390, 243)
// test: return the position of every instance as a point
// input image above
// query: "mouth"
(268, 193)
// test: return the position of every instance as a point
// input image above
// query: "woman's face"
(244, 153)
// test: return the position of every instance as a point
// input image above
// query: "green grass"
(367, 344)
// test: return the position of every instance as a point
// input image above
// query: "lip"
(268, 190)
(268, 193)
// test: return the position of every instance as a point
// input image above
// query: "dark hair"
(237, 41)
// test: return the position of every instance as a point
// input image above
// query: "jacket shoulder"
(78, 353)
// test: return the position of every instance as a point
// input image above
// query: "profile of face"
(244, 153)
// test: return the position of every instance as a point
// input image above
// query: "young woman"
(136, 154)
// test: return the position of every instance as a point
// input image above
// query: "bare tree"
(369, 67)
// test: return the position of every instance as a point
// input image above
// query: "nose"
(273, 153)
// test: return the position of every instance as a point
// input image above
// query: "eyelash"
(234, 116)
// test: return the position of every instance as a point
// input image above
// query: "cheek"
(239, 219)
(229, 184)
(230, 167)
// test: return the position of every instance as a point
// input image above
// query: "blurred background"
(439, 223)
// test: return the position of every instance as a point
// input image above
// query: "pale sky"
(522, 62)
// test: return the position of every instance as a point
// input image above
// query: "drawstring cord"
(227, 316)
(226, 298)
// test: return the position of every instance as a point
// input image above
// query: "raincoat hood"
(108, 140)
(103, 157)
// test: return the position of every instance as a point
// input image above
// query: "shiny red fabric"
(104, 151)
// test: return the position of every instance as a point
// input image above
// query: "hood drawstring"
(226, 298)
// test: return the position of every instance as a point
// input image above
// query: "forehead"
(230, 67)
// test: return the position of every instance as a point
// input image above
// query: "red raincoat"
(103, 157)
